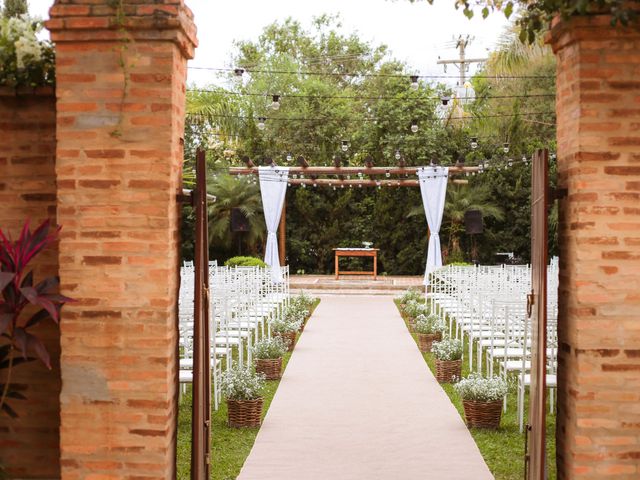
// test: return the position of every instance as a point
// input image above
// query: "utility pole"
(462, 63)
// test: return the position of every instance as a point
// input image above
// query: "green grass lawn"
(230, 446)
(502, 449)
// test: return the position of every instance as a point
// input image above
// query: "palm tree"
(460, 199)
(230, 193)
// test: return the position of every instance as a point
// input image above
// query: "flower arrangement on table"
(429, 328)
(242, 388)
(268, 353)
(26, 61)
(482, 399)
(448, 354)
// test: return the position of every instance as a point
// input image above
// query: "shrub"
(25, 60)
(269, 348)
(24, 304)
(430, 325)
(447, 349)
(411, 294)
(414, 309)
(479, 389)
(244, 262)
(302, 300)
(241, 383)
(285, 325)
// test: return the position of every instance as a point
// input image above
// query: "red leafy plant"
(18, 292)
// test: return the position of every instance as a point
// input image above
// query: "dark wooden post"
(201, 406)
(282, 235)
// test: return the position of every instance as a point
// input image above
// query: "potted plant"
(268, 353)
(482, 400)
(242, 387)
(408, 295)
(429, 329)
(448, 353)
(285, 328)
(296, 312)
(413, 309)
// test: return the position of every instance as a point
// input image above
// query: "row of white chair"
(242, 301)
(487, 306)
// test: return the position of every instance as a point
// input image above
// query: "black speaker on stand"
(239, 225)
(473, 226)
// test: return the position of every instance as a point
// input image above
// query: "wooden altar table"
(357, 252)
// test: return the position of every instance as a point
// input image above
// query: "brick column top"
(566, 32)
(167, 20)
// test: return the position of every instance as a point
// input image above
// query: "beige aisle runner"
(358, 402)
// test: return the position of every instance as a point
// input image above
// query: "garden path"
(357, 401)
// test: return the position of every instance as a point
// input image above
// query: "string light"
(345, 145)
(397, 155)
(261, 122)
(275, 102)
(414, 126)
(505, 147)
(474, 142)
(289, 157)
(387, 173)
(414, 82)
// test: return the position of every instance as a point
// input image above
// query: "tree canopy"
(334, 87)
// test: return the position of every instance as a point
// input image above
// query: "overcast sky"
(416, 33)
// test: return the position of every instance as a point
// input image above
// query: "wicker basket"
(271, 367)
(244, 413)
(289, 339)
(426, 339)
(482, 414)
(448, 370)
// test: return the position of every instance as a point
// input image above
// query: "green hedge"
(244, 262)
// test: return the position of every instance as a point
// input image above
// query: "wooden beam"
(392, 170)
(327, 182)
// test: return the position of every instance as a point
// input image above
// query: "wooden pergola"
(365, 176)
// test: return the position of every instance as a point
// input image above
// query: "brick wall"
(598, 106)
(28, 191)
(121, 96)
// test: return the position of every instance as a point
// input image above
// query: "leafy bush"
(302, 301)
(244, 262)
(241, 383)
(18, 292)
(415, 309)
(269, 348)
(25, 61)
(411, 294)
(285, 325)
(430, 325)
(448, 349)
(479, 389)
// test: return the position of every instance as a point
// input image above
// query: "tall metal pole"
(201, 405)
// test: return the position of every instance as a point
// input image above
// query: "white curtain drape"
(273, 188)
(433, 187)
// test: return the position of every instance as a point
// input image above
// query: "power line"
(357, 97)
(357, 74)
(366, 119)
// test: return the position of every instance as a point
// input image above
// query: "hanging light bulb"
(359, 185)
(474, 142)
(524, 159)
(304, 186)
(342, 185)
(397, 155)
(414, 82)
(315, 185)
(261, 123)
(334, 188)
(289, 157)
(505, 147)
(345, 145)
(301, 175)
(445, 100)
(414, 126)
(275, 102)
(360, 175)
(387, 173)
(348, 177)
(510, 163)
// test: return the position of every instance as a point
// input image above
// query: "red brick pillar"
(121, 95)
(598, 105)
(28, 192)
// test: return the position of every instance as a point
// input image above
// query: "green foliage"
(336, 105)
(14, 8)
(536, 15)
(25, 61)
(430, 324)
(477, 388)
(269, 348)
(448, 349)
(244, 262)
(241, 383)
